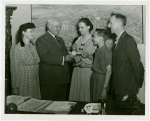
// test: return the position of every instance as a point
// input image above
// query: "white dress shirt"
(118, 37)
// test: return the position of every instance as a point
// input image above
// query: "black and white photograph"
(75, 59)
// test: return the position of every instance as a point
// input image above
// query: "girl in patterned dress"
(80, 83)
(25, 64)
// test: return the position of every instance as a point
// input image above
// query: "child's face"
(96, 39)
(109, 43)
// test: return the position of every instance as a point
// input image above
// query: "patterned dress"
(25, 70)
(80, 83)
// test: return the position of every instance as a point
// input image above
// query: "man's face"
(113, 24)
(55, 28)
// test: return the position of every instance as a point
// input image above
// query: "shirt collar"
(118, 37)
(51, 34)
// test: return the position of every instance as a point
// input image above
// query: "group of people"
(42, 70)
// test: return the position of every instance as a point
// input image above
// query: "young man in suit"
(126, 59)
(54, 68)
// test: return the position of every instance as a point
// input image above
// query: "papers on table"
(42, 106)
(15, 99)
(31, 105)
(60, 106)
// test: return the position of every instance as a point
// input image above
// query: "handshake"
(76, 58)
(82, 54)
(73, 56)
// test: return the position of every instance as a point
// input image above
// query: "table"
(110, 110)
(76, 107)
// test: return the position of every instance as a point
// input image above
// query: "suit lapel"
(119, 45)
(62, 45)
(53, 40)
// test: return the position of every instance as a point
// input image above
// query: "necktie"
(57, 39)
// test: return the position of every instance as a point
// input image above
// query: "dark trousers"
(54, 92)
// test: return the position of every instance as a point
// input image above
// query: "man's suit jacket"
(126, 59)
(51, 52)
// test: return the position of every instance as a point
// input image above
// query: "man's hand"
(68, 58)
(125, 98)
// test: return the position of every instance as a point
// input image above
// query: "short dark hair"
(87, 22)
(102, 32)
(111, 36)
(121, 17)
(22, 28)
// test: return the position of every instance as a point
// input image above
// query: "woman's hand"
(84, 54)
(15, 91)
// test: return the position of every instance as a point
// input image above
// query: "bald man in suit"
(54, 67)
